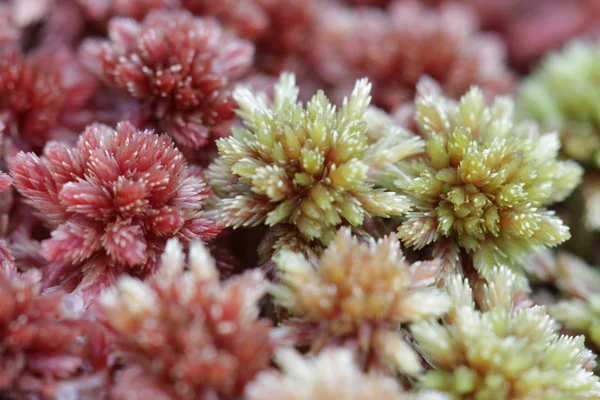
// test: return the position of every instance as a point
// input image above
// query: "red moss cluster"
(532, 28)
(180, 67)
(396, 46)
(112, 201)
(42, 95)
(46, 347)
(184, 335)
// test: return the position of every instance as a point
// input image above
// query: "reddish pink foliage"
(26, 250)
(113, 201)
(42, 95)
(199, 339)
(494, 15)
(179, 66)
(17, 224)
(47, 349)
(62, 26)
(281, 29)
(395, 47)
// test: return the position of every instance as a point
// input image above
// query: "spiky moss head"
(484, 181)
(184, 333)
(499, 350)
(299, 166)
(360, 291)
(564, 94)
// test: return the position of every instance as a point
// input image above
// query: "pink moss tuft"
(396, 46)
(48, 349)
(112, 201)
(183, 334)
(179, 66)
(43, 95)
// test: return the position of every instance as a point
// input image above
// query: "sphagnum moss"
(304, 167)
(500, 350)
(482, 187)
(359, 295)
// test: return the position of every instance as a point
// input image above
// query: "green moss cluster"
(484, 182)
(296, 165)
(497, 349)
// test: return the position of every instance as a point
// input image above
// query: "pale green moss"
(500, 350)
(484, 182)
(301, 166)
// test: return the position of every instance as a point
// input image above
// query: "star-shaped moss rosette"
(179, 68)
(500, 350)
(304, 167)
(112, 202)
(358, 295)
(483, 184)
(184, 333)
(49, 348)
